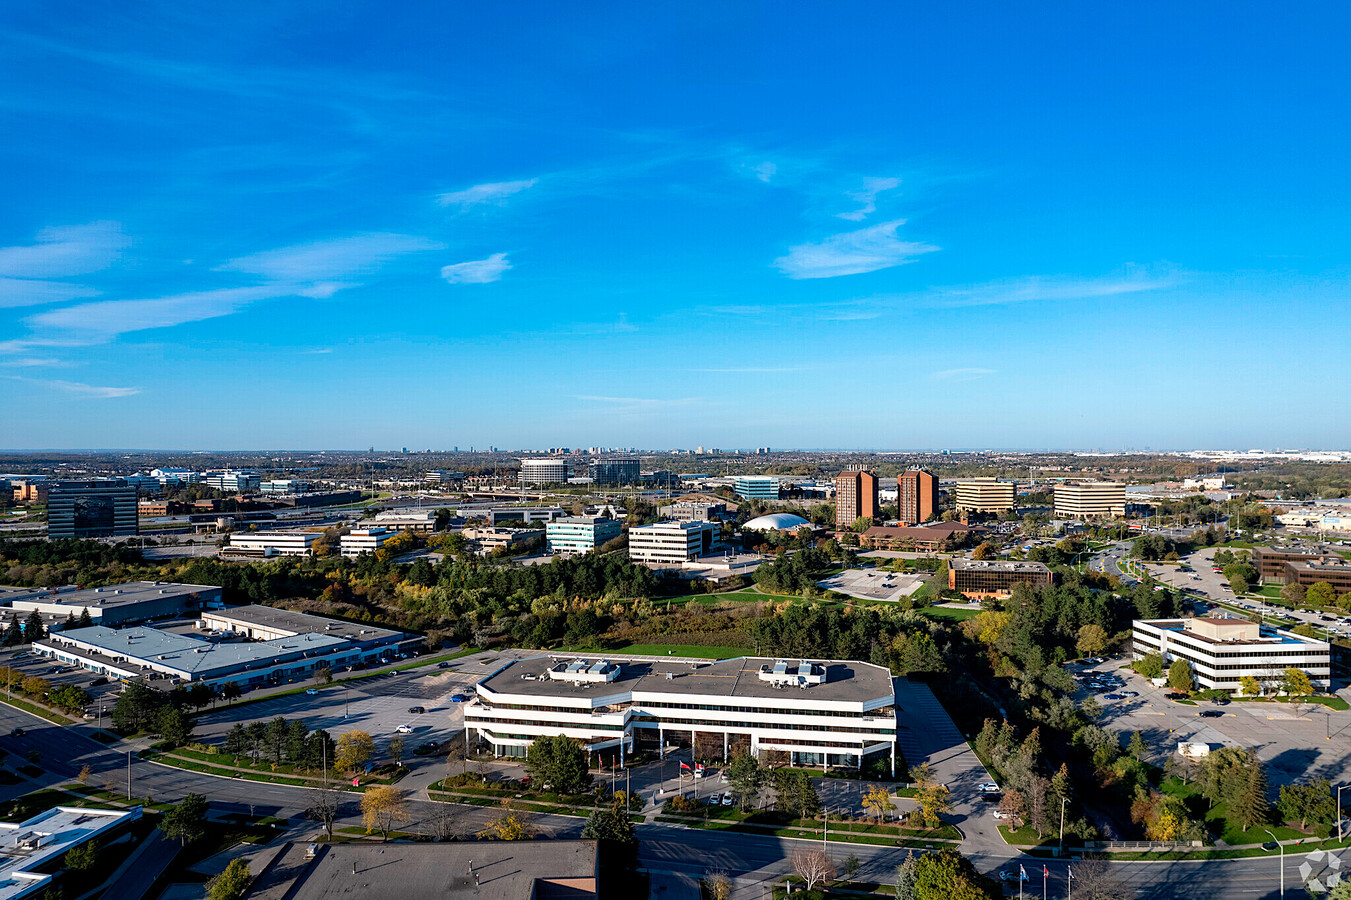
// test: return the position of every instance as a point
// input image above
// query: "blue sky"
(306, 225)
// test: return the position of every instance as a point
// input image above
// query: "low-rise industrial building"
(268, 623)
(982, 578)
(672, 544)
(580, 534)
(363, 540)
(1221, 651)
(418, 521)
(814, 712)
(31, 850)
(116, 604)
(266, 544)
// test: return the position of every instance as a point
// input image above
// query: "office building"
(1090, 500)
(916, 496)
(1332, 569)
(488, 539)
(363, 540)
(232, 482)
(420, 521)
(284, 486)
(983, 578)
(615, 470)
(580, 534)
(155, 509)
(1223, 651)
(32, 850)
(855, 497)
(693, 511)
(756, 487)
(986, 495)
(1270, 562)
(268, 623)
(923, 538)
(671, 544)
(448, 870)
(544, 471)
(174, 477)
(146, 485)
(116, 604)
(29, 490)
(444, 478)
(88, 509)
(529, 515)
(265, 544)
(812, 712)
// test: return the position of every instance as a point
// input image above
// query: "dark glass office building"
(615, 470)
(86, 509)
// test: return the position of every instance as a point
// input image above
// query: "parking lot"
(25, 662)
(872, 584)
(1297, 743)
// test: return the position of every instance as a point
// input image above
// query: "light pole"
(1063, 801)
(1339, 810)
(1280, 847)
(128, 776)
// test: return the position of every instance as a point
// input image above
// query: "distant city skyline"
(862, 226)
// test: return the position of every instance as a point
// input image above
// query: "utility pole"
(128, 776)
(1063, 801)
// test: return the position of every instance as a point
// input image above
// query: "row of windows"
(694, 723)
(709, 707)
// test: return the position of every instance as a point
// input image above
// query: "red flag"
(684, 765)
(1045, 872)
(356, 782)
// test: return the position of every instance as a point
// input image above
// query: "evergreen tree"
(70, 621)
(1251, 807)
(86, 620)
(32, 628)
(14, 633)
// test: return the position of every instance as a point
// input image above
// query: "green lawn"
(941, 612)
(1217, 820)
(689, 650)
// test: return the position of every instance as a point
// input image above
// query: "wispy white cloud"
(76, 387)
(65, 250)
(319, 351)
(30, 292)
(765, 171)
(852, 253)
(477, 271)
(318, 261)
(1047, 288)
(24, 362)
(491, 192)
(867, 197)
(965, 374)
(107, 318)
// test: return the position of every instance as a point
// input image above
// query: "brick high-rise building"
(855, 496)
(917, 496)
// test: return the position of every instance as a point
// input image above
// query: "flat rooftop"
(114, 595)
(997, 565)
(846, 681)
(1269, 636)
(190, 654)
(513, 870)
(32, 844)
(304, 623)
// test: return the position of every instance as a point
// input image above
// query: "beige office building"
(1090, 500)
(986, 495)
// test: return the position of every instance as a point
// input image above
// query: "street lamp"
(1063, 801)
(1339, 810)
(1280, 847)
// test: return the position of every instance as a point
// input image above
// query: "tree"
(396, 750)
(172, 725)
(1308, 802)
(558, 760)
(508, 826)
(136, 708)
(1249, 686)
(1092, 640)
(14, 631)
(796, 794)
(1150, 665)
(275, 739)
(1094, 880)
(1321, 594)
(932, 802)
(85, 620)
(1136, 746)
(325, 809)
(878, 799)
(1180, 675)
(383, 808)
(1238, 584)
(83, 856)
(1296, 683)
(1013, 805)
(905, 878)
(1251, 807)
(70, 622)
(324, 675)
(717, 886)
(985, 550)
(813, 866)
(32, 628)
(947, 875)
(231, 883)
(746, 778)
(185, 820)
(1293, 594)
(230, 692)
(354, 750)
(612, 825)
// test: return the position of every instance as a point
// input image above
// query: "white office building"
(1090, 500)
(174, 477)
(285, 486)
(580, 534)
(673, 544)
(31, 850)
(421, 521)
(544, 471)
(270, 543)
(1222, 651)
(813, 712)
(363, 540)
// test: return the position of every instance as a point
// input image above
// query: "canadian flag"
(698, 767)
(356, 782)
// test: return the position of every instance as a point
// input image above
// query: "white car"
(1000, 814)
(987, 787)
(727, 798)
(404, 729)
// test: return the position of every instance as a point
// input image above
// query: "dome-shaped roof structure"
(777, 522)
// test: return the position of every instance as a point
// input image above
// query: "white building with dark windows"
(544, 471)
(672, 544)
(1222, 651)
(363, 540)
(270, 543)
(580, 534)
(805, 712)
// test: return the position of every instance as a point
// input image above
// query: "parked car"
(1000, 814)
(443, 665)
(416, 710)
(404, 729)
(18, 732)
(727, 798)
(1115, 697)
(987, 786)
(311, 690)
(1211, 714)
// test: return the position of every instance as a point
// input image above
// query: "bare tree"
(325, 808)
(718, 886)
(813, 866)
(443, 824)
(1095, 880)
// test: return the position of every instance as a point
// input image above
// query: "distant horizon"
(721, 451)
